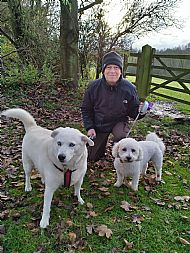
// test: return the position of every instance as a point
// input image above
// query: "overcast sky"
(169, 38)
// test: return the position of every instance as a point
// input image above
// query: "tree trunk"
(69, 42)
(98, 68)
(19, 31)
(99, 61)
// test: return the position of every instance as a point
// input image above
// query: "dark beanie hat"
(112, 58)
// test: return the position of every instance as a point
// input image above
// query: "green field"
(173, 94)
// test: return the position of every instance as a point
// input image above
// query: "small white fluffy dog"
(132, 157)
(59, 155)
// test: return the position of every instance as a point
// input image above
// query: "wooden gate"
(160, 73)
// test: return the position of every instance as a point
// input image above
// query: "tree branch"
(7, 36)
(14, 51)
(81, 10)
(140, 20)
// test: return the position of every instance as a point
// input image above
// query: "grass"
(173, 94)
(155, 223)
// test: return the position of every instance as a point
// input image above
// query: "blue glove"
(146, 107)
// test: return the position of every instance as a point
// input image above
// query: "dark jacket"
(104, 106)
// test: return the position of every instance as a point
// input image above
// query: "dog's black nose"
(61, 157)
(128, 158)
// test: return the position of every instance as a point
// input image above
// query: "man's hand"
(145, 106)
(141, 106)
(91, 133)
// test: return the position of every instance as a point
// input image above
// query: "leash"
(134, 122)
(146, 106)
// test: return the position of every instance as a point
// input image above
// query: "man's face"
(112, 74)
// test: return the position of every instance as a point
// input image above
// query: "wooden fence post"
(143, 76)
(126, 55)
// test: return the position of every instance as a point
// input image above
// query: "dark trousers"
(97, 152)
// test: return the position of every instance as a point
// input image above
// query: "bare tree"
(143, 17)
(139, 19)
(94, 39)
(87, 45)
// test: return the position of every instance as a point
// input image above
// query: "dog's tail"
(22, 115)
(154, 137)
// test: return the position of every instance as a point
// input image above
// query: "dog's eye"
(59, 143)
(71, 144)
(124, 149)
(133, 150)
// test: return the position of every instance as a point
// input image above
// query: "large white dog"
(132, 157)
(59, 155)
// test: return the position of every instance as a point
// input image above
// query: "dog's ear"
(115, 150)
(56, 131)
(87, 140)
(140, 156)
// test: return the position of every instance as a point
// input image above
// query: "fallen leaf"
(137, 218)
(16, 216)
(103, 230)
(106, 193)
(4, 214)
(90, 229)
(151, 180)
(72, 237)
(170, 163)
(148, 188)
(107, 182)
(182, 198)
(4, 197)
(168, 173)
(108, 209)
(159, 202)
(89, 205)
(185, 181)
(69, 223)
(183, 241)
(184, 217)
(19, 184)
(103, 189)
(35, 176)
(146, 208)
(128, 245)
(155, 127)
(126, 206)
(91, 214)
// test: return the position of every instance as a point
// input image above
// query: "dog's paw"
(160, 181)
(158, 178)
(133, 187)
(28, 188)
(44, 223)
(43, 181)
(117, 184)
(81, 201)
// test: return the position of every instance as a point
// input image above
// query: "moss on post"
(143, 75)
